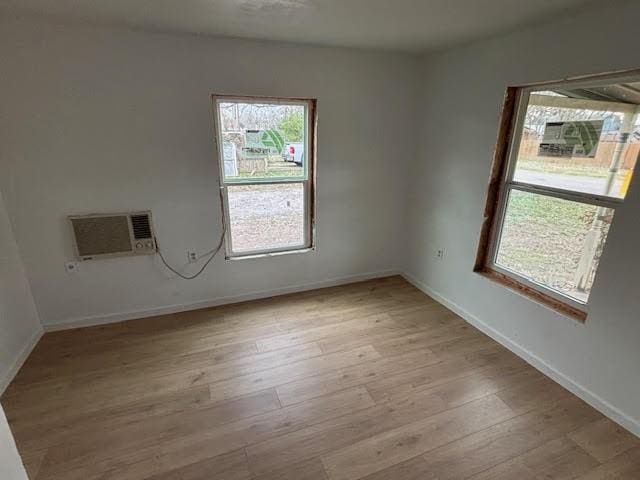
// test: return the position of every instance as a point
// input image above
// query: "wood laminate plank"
(182, 448)
(370, 380)
(561, 459)
(153, 358)
(625, 466)
(399, 409)
(284, 374)
(413, 469)
(542, 392)
(317, 333)
(417, 341)
(397, 445)
(335, 380)
(506, 471)
(49, 430)
(499, 443)
(230, 466)
(492, 446)
(32, 462)
(306, 470)
(147, 433)
(604, 439)
(226, 381)
(431, 374)
(432, 320)
(409, 406)
(315, 440)
(196, 374)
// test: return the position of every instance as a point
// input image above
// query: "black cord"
(212, 253)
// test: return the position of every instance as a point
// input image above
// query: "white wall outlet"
(71, 267)
(440, 254)
(192, 256)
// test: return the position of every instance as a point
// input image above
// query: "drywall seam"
(10, 374)
(631, 424)
(168, 309)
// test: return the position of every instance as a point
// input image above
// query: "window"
(266, 155)
(564, 160)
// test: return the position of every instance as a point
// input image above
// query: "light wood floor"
(372, 380)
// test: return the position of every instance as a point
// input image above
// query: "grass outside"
(543, 238)
(271, 174)
(276, 168)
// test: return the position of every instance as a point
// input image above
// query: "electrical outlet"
(192, 256)
(71, 267)
(440, 254)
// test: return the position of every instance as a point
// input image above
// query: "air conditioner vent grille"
(101, 235)
(113, 235)
(141, 227)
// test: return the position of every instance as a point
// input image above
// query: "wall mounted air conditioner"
(113, 235)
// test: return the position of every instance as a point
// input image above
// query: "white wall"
(19, 324)
(11, 467)
(101, 120)
(463, 90)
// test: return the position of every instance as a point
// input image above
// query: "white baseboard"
(168, 309)
(578, 390)
(8, 376)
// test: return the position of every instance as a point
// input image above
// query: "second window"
(266, 158)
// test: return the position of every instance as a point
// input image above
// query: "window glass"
(266, 166)
(573, 139)
(266, 217)
(263, 141)
(565, 159)
(553, 242)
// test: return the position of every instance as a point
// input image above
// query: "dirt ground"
(266, 216)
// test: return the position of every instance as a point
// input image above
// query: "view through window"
(266, 167)
(574, 149)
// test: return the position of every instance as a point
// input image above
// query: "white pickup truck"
(293, 152)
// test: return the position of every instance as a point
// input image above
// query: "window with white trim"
(564, 162)
(266, 156)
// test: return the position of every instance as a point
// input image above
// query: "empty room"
(319, 240)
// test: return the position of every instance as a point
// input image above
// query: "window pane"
(574, 140)
(266, 217)
(262, 140)
(553, 242)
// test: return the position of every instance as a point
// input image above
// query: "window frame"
(501, 183)
(308, 180)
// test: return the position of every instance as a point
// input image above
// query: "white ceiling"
(411, 25)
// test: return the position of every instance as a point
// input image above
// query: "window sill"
(270, 254)
(535, 295)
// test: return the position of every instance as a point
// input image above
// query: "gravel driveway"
(266, 216)
(577, 183)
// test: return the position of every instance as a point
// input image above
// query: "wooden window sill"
(539, 297)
